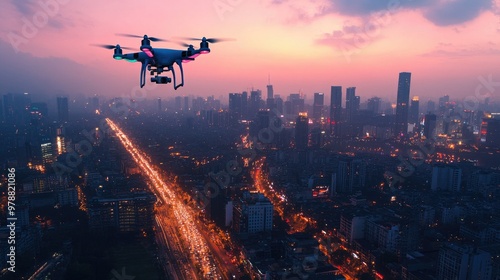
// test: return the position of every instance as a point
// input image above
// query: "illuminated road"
(178, 224)
(297, 221)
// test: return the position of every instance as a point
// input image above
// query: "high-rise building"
(253, 214)
(403, 99)
(278, 101)
(319, 102)
(254, 102)
(317, 135)
(431, 106)
(373, 105)
(430, 126)
(186, 104)
(446, 178)
(414, 110)
(270, 96)
(490, 133)
(351, 175)
(178, 103)
(39, 110)
(270, 91)
(244, 104)
(62, 109)
(8, 105)
(463, 262)
(302, 132)
(235, 104)
(443, 102)
(16, 108)
(126, 213)
(296, 105)
(159, 105)
(47, 151)
(351, 103)
(335, 110)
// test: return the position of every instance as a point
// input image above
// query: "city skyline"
(320, 44)
(310, 139)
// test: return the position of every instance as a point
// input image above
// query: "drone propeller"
(110, 47)
(210, 40)
(153, 39)
(184, 44)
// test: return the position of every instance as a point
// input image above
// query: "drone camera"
(161, 80)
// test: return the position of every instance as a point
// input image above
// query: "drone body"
(158, 60)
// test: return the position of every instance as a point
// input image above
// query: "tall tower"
(302, 132)
(351, 102)
(335, 110)
(403, 99)
(319, 102)
(159, 105)
(62, 109)
(430, 126)
(414, 110)
(373, 105)
(254, 102)
(270, 95)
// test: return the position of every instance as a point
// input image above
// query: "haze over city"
(305, 46)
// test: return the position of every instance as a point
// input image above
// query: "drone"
(158, 60)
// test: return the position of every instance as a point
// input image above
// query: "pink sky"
(304, 46)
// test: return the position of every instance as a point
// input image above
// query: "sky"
(303, 46)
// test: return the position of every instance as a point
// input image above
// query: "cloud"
(299, 11)
(24, 7)
(372, 16)
(439, 12)
(456, 12)
(353, 35)
(368, 7)
(49, 9)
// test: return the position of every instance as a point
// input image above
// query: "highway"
(178, 224)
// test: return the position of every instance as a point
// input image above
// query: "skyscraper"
(159, 105)
(430, 126)
(46, 151)
(414, 110)
(446, 178)
(254, 102)
(373, 105)
(235, 104)
(62, 109)
(403, 98)
(302, 132)
(335, 110)
(270, 92)
(490, 133)
(351, 175)
(351, 102)
(319, 102)
(186, 104)
(178, 103)
(270, 96)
